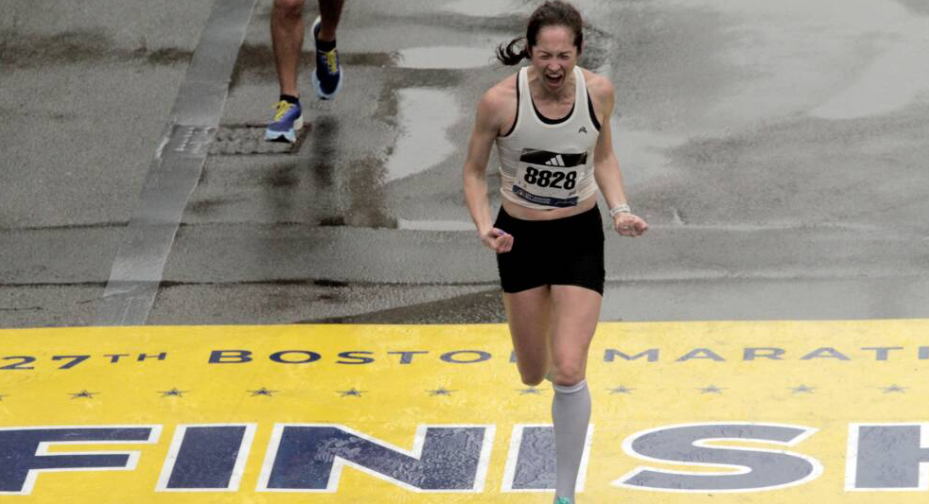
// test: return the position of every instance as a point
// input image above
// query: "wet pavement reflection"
(424, 118)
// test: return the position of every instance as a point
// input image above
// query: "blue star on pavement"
(895, 388)
(622, 389)
(712, 389)
(440, 391)
(802, 389)
(174, 392)
(84, 394)
(352, 392)
(263, 392)
(530, 391)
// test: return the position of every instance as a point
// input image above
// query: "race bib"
(549, 178)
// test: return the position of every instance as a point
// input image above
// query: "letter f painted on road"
(24, 452)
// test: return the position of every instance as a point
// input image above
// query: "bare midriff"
(521, 212)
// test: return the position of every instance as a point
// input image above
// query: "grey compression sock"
(571, 416)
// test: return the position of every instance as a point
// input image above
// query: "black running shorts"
(566, 251)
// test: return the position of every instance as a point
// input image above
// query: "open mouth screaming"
(553, 80)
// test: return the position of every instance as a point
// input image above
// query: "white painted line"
(175, 171)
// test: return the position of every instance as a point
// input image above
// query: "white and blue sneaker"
(327, 79)
(287, 121)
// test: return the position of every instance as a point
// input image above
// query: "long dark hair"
(551, 13)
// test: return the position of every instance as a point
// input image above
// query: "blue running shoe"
(327, 79)
(563, 500)
(287, 121)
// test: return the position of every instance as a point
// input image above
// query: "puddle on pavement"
(444, 57)
(425, 115)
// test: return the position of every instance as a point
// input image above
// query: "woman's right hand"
(498, 240)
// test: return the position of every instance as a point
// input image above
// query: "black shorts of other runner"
(566, 251)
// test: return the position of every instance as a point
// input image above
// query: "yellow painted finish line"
(768, 412)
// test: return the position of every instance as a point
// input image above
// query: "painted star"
(622, 389)
(895, 388)
(263, 392)
(84, 394)
(712, 389)
(802, 389)
(440, 391)
(530, 391)
(352, 392)
(173, 392)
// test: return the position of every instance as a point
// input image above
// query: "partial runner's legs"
(330, 12)
(552, 327)
(287, 29)
(287, 34)
(327, 79)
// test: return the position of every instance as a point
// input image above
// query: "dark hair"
(551, 13)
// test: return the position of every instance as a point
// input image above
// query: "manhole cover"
(246, 139)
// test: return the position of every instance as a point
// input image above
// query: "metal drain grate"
(248, 139)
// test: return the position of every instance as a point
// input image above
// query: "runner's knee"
(532, 379)
(567, 374)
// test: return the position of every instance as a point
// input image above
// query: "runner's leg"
(287, 29)
(575, 312)
(330, 11)
(528, 313)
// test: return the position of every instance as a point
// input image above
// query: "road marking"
(175, 171)
(693, 412)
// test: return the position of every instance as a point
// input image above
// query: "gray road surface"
(777, 149)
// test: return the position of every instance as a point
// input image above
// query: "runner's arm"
(606, 167)
(475, 168)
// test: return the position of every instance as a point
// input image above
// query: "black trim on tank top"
(546, 120)
(516, 119)
(593, 115)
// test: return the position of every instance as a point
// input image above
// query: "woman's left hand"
(628, 224)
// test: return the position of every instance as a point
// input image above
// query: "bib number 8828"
(545, 178)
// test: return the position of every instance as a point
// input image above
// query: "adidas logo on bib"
(555, 161)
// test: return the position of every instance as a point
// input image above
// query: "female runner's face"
(554, 56)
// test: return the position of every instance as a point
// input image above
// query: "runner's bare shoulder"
(499, 103)
(601, 92)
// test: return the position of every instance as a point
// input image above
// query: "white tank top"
(545, 163)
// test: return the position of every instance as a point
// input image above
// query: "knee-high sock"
(571, 416)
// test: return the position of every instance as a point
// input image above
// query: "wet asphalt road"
(777, 149)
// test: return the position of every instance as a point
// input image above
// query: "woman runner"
(551, 125)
